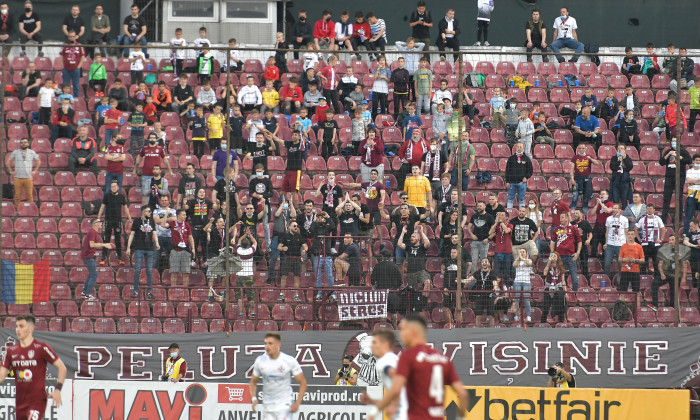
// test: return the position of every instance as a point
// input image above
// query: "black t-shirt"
(73, 24)
(694, 239)
(232, 216)
(386, 275)
(328, 127)
(183, 93)
(584, 228)
(523, 230)
(420, 31)
(293, 242)
(188, 187)
(331, 197)
(415, 255)
(134, 24)
(353, 253)
(349, 222)
(364, 211)
(450, 273)
(32, 76)
(113, 206)
(321, 233)
(262, 186)
(536, 31)
(143, 234)
(156, 186)
(295, 155)
(482, 224)
(305, 222)
(493, 212)
(250, 222)
(449, 229)
(29, 21)
(260, 153)
(220, 188)
(483, 281)
(216, 241)
(448, 208)
(270, 125)
(442, 194)
(237, 124)
(198, 212)
(409, 221)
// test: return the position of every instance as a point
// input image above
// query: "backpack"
(620, 311)
(592, 49)
(8, 191)
(483, 177)
(150, 79)
(475, 79)
(571, 79)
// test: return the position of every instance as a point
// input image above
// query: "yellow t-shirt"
(271, 98)
(417, 189)
(216, 126)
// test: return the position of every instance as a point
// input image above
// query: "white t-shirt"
(565, 27)
(617, 229)
(199, 42)
(179, 54)
(46, 96)
(137, 65)
(310, 60)
(384, 363)
(650, 229)
(246, 255)
(692, 178)
(276, 375)
(340, 33)
(522, 273)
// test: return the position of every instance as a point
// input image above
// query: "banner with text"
(362, 305)
(8, 405)
(600, 358)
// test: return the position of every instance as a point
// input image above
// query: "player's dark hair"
(418, 319)
(385, 335)
(274, 335)
(29, 318)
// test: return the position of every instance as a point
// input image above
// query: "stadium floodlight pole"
(460, 159)
(679, 190)
(227, 182)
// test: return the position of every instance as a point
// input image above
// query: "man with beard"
(180, 259)
(348, 262)
(250, 218)
(494, 207)
(478, 229)
(159, 187)
(306, 218)
(322, 229)
(188, 187)
(144, 238)
(524, 230)
(375, 194)
(403, 219)
(294, 247)
(411, 154)
(416, 250)
(331, 193)
(198, 212)
(26, 164)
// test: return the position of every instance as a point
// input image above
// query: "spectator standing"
(518, 171)
(525, 131)
(144, 238)
(371, 153)
(666, 270)
(629, 132)
(348, 262)
(188, 186)
(7, 25)
(468, 108)
(283, 216)
(97, 75)
(302, 33)
(418, 188)
(377, 41)
(694, 94)
(401, 218)
(587, 129)
(46, 95)
(380, 88)
(323, 229)
(74, 22)
(483, 18)
(29, 26)
(602, 209)
(416, 249)
(423, 81)
(671, 116)
(101, 27)
(134, 29)
(434, 164)
(401, 79)
(386, 275)
(566, 241)
(558, 207)
(31, 82)
(162, 214)
(115, 154)
(649, 232)
(73, 58)
(483, 281)
(691, 240)
(692, 202)
(91, 243)
(421, 22)
(586, 232)
(112, 206)
(225, 158)
(501, 233)
(479, 227)
(151, 155)
(636, 209)
(330, 77)
(294, 247)
(615, 235)
(494, 207)
(159, 187)
(468, 160)
(669, 158)
(621, 182)
(83, 149)
(448, 31)
(523, 271)
(554, 289)
(536, 36)
(565, 36)
(249, 96)
(411, 154)
(580, 176)
(23, 165)
(199, 210)
(524, 232)
(180, 258)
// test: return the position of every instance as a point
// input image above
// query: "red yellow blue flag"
(25, 283)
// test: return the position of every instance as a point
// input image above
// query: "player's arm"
(398, 383)
(462, 397)
(253, 386)
(62, 371)
(302, 391)
(3, 374)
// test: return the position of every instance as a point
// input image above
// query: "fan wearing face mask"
(175, 365)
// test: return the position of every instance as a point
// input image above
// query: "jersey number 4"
(437, 387)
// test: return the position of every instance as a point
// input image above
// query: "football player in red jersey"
(28, 360)
(417, 363)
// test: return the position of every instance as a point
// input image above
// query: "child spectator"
(618, 119)
(112, 121)
(270, 122)
(303, 123)
(411, 122)
(234, 59)
(150, 110)
(254, 125)
(249, 96)
(207, 97)
(139, 95)
(483, 18)
(177, 56)
(355, 98)
(119, 93)
(307, 78)
(608, 107)
(589, 99)
(542, 132)
(311, 97)
(630, 64)
(650, 63)
(440, 128)
(439, 95)
(498, 107)
(366, 114)
(199, 42)
(330, 78)
(629, 132)
(670, 115)
(694, 94)
(310, 57)
(205, 65)
(292, 97)
(525, 131)
(272, 72)
(401, 80)
(160, 135)
(97, 75)
(215, 126)
(631, 101)
(63, 121)
(270, 97)
(46, 95)
(359, 130)
(448, 106)
(377, 41)
(137, 124)
(282, 49)
(162, 98)
(402, 116)
(99, 111)
(535, 113)
(659, 124)
(512, 116)
(348, 84)
(380, 88)
(198, 126)
(260, 150)
(65, 94)
(329, 134)
(236, 121)
(412, 61)
(137, 59)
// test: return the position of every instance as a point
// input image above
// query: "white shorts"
(277, 414)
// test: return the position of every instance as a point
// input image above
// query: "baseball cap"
(322, 97)
(560, 364)
(174, 346)
(363, 102)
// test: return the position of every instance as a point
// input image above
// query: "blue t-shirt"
(587, 125)
(221, 160)
(592, 101)
(101, 109)
(411, 123)
(498, 104)
(65, 96)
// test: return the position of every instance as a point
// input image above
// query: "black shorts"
(375, 218)
(449, 299)
(484, 303)
(291, 265)
(628, 277)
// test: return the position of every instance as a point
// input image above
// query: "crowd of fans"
(336, 228)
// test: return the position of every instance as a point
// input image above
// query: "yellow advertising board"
(521, 403)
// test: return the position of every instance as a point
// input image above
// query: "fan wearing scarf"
(411, 153)
(434, 164)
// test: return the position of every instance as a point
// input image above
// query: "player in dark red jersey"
(418, 364)
(28, 360)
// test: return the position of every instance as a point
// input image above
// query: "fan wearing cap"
(175, 365)
(560, 378)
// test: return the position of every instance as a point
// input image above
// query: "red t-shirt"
(150, 111)
(152, 156)
(88, 251)
(180, 233)
(558, 207)
(271, 73)
(417, 364)
(29, 364)
(582, 165)
(288, 93)
(332, 76)
(567, 237)
(600, 215)
(115, 167)
(114, 114)
(72, 53)
(503, 240)
(321, 113)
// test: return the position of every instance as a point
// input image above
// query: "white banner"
(7, 401)
(362, 305)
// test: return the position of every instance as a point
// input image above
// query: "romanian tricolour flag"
(25, 283)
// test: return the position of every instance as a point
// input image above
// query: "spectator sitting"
(439, 95)
(63, 121)
(448, 30)
(617, 120)
(302, 32)
(134, 29)
(74, 22)
(271, 98)
(631, 101)
(119, 93)
(343, 32)
(324, 32)
(355, 98)
(360, 34)
(162, 98)
(588, 99)
(542, 133)
(630, 64)
(650, 63)
(292, 97)
(587, 129)
(150, 110)
(608, 106)
(249, 96)
(207, 97)
(182, 95)
(629, 132)
(536, 35)
(686, 78)
(31, 82)
(377, 42)
(347, 84)
(7, 26)
(83, 149)
(311, 97)
(101, 110)
(565, 36)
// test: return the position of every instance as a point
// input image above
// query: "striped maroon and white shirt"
(246, 255)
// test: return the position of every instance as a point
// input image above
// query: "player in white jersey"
(276, 370)
(383, 342)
